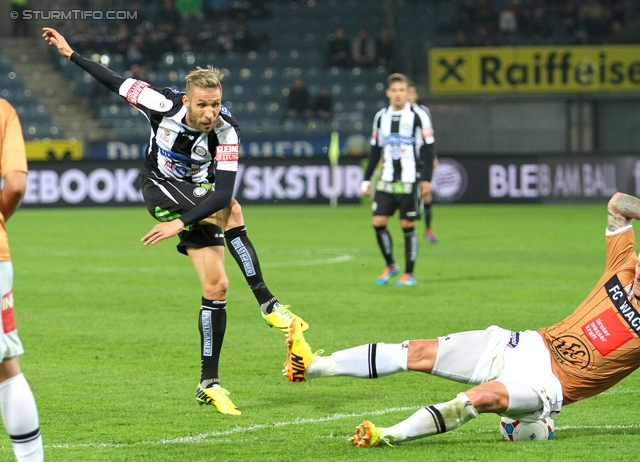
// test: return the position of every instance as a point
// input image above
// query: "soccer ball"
(515, 430)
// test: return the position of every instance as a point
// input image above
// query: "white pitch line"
(151, 269)
(203, 437)
(323, 261)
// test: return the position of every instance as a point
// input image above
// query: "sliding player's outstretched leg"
(427, 421)
(273, 312)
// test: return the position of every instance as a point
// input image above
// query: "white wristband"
(364, 186)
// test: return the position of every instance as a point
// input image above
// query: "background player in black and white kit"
(400, 136)
(413, 95)
(189, 173)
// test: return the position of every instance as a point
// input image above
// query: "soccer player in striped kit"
(189, 172)
(401, 137)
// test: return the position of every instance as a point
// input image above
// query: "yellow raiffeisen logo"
(535, 69)
(54, 150)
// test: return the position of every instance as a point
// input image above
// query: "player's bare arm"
(13, 189)
(53, 37)
(621, 210)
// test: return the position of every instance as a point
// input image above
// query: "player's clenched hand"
(425, 188)
(163, 231)
(53, 37)
(365, 188)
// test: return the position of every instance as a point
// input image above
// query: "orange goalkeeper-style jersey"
(599, 343)
(13, 158)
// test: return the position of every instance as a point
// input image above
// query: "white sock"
(368, 361)
(432, 420)
(20, 417)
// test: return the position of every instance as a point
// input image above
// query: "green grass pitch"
(110, 332)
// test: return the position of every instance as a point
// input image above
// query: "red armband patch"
(227, 153)
(135, 90)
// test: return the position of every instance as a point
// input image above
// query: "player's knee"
(235, 217)
(489, 397)
(236, 208)
(422, 355)
(380, 221)
(216, 289)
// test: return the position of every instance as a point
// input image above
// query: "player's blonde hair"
(397, 77)
(211, 77)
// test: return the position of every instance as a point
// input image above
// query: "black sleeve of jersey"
(427, 154)
(220, 198)
(105, 76)
(374, 158)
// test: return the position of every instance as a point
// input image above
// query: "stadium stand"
(290, 38)
(258, 81)
(35, 119)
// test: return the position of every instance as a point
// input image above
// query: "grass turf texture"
(111, 339)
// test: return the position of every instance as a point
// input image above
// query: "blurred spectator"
(460, 39)
(540, 29)
(508, 20)
(323, 105)
(80, 40)
(154, 47)
(217, 9)
(386, 50)
(244, 41)
(617, 11)
(299, 106)
(249, 9)
(136, 72)
(260, 9)
(466, 16)
(181, 40)
(122, 38)
(169, 14)
(100, 39)
(224, 42)
(569, 18)
(594, 17)
(618, 34)
(526, 11)
(363, 49)
(484, 15)
(339, 49)
(189, 9)
(482, 37)
(206, 38)
(134, 53)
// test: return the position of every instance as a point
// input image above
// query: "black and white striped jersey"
(429, 125)
(177, 151)
(401, 138)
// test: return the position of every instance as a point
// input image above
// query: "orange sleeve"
(12, 151)
(621, 251)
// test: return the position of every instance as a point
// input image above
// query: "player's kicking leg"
(212, 324)
(273, 312)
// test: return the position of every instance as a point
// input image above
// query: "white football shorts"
(10, 344)
(520, 358)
